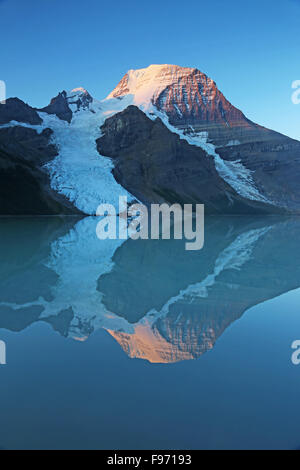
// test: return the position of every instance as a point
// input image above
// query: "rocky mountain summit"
(65, 103)
(191, 101)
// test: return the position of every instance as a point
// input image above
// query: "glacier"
(234, 173)
(79, 172)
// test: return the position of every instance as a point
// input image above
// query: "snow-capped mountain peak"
(188, 97)
(79, 98)
(147, 84)
(80, 90)
(66, 104)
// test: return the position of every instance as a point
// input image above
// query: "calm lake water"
(144, 345)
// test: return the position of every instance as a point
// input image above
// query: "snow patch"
(37, 127)
(233, 142)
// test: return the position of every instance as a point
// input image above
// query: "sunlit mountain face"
(189, 98)
(158, 301)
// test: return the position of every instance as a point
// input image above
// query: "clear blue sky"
(250, 48)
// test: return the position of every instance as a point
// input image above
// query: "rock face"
(24, 185)
(275, 167)
(17, 110)
(80, 99)
(25, 189)
(64, 104)
(192, 102)
(28, 144)
(156, 166)
(60, 107)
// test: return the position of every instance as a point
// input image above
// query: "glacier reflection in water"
(159, 301)
(164, 307)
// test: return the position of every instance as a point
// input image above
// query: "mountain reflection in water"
(160, 302)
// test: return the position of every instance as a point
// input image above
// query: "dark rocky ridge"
(28, 144)
(16, 110)
(60, 107)
(25, 190)
(157, 166)
(60, 104)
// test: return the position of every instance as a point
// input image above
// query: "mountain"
(15, 110)
(191, 101)
(171, 120)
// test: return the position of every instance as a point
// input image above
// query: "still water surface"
(144, 345)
